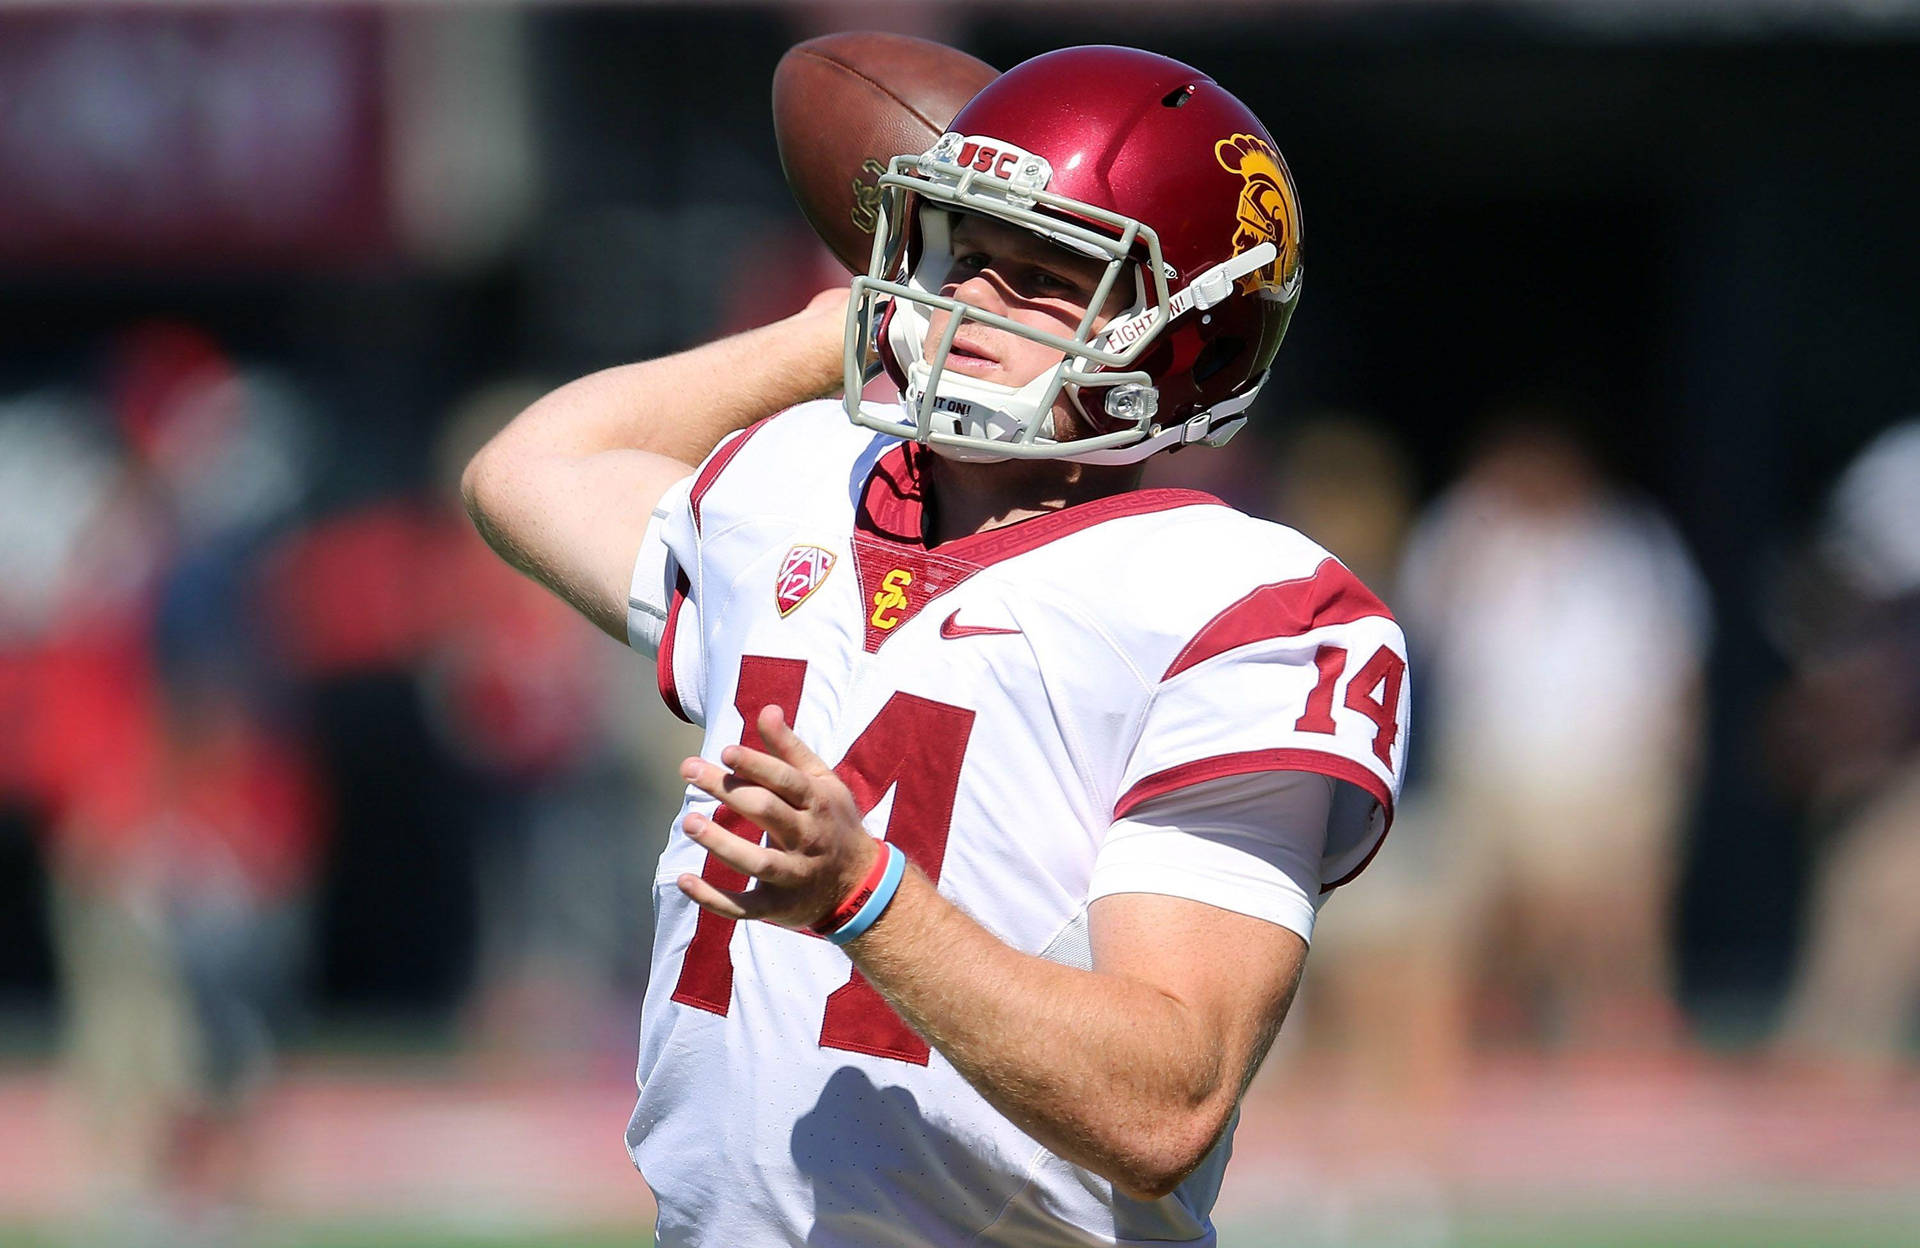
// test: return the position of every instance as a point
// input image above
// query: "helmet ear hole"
(1215, 356)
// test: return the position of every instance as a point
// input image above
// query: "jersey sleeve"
(1251, 844)
(1304, 675)
(657, 569)
(663, 604)
(669, 580)
(691, 551)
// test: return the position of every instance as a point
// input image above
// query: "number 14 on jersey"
(914, 746)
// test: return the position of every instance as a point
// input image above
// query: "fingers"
(760, 804)
(777, 776)
(789, 774)
(814, 831)
(788, 746)
(750, 858)
(750, 905)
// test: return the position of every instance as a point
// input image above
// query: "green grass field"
(1666, 1230)
(1670, 1231)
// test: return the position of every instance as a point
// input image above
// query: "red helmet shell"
(1148, 137)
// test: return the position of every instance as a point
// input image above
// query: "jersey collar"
(892, 508)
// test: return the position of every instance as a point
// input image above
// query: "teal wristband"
(869, 913)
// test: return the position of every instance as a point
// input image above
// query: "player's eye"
(1053, 284)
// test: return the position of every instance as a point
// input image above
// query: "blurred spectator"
(1377, 1020)
(181, 829)
(179, 921)
(1348, 483)
(1375, 1012)
(75, 665)
(1560, 628)
(1848, 730)
(76, 562)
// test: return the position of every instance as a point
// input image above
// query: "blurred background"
(325, 841)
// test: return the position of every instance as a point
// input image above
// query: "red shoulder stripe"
(663, 658)
(1248, 762)
(1332, 595)
(711, 470)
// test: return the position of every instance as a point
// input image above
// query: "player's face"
(999, 268)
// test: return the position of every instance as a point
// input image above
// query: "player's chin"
(1071, 423)
(1068, 424)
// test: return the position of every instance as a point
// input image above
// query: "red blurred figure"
(181, 829)
(528, 703)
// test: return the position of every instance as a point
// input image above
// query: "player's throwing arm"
(564, 492)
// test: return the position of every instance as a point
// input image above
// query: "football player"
(1021, 785)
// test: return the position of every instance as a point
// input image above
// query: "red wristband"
(845, 911)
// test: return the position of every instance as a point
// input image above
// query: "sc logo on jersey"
(891, 600)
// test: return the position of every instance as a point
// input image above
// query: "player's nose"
(983, 290)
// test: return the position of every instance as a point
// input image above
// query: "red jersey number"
(1381, 674)
(914, 745)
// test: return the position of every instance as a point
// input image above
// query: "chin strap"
(1213, 427)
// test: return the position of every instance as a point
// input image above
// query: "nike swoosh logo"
(951, 628)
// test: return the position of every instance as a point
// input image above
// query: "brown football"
(846, 104)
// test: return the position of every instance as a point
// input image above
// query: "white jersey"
(1023, 712)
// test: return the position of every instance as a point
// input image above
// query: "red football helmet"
(1125, 156)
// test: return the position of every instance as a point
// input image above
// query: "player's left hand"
(817, 849)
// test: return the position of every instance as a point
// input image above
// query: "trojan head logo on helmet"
(1269, 210)
(1129, 159)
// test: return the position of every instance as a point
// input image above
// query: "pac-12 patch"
(801, 572)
